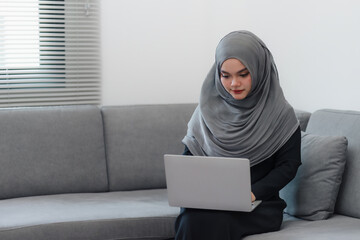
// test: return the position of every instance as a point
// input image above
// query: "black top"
(271, 175)
(267, 178)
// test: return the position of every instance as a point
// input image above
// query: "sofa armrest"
(303, 118)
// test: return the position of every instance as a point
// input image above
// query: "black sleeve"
(187, 151)
(286, 162)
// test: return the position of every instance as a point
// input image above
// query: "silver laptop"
(209, 183)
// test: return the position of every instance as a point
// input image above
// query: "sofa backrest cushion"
(312, 194)
(136, 139)
(51, 150)
(343, 123)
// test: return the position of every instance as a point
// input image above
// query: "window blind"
(49, 52)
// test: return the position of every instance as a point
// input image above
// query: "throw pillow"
(312, 194)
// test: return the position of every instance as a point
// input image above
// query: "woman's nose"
(235, 82)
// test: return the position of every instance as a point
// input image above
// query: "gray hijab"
(255, 127)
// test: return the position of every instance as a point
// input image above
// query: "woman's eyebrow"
(242, 70)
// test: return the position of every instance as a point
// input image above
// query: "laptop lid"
(217, 183)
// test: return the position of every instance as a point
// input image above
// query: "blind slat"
(54, 63)
(48, 103)
(50, 2)
(69, 80)
(49, 85)
(58, 94)
(50, 90)
(55, 57)
(45, 99)
(75, 70)
(54, 69)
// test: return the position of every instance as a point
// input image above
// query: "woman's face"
(235, 78)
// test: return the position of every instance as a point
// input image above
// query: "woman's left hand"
(253, 198)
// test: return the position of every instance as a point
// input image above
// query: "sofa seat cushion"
(112, 215)
(335, 228)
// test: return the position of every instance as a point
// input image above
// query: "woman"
(243, 113)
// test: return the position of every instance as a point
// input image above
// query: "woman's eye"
(244, 74)
(224, 76)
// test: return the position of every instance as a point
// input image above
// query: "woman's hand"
(253, 198)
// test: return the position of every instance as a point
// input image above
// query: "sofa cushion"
(343, 123)
(312, 193)
(136, 139)
(111, 215)
(336, 228)
(51, 150)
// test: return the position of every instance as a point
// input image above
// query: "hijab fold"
(254, 127)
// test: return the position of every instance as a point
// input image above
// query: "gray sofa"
(84, 172)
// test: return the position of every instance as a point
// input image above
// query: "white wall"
(159, 51)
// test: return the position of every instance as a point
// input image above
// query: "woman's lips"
(237, 91)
